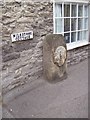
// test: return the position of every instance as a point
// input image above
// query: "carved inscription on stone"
(59, 55)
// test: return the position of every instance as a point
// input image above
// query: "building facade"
(22, 60)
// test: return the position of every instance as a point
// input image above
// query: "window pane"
(67, 37)
(66, 10)
(80, 10)
(80, 35)
(66, 24)
(80, 23)
(85, 34)
(73, 36)
(73, 24)
(58, 10)
(86, 23)
(86, 11)
(58, 25)
(73, 11)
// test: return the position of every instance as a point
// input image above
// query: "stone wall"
(77, 55)
(22, 61)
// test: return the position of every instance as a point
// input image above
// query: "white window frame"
(77, 43)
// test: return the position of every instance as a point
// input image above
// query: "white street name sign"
(22, 36)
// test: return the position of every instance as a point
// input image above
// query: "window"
(71, 20)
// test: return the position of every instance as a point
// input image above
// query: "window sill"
(74, 45)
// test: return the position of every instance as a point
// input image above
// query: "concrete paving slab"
(68, 98)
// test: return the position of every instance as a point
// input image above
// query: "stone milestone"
(54, 57)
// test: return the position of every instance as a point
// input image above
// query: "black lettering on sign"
(13, 35)
(22, 36)
(17, 37)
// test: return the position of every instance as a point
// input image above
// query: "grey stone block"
(10, 56)
(54, 57)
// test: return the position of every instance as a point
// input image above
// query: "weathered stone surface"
(18, 73)
(39, 44)
(7, 15)
(59, 56)
(10, 57)
(54, 57)
(6, 22)
(18, 1)
(25, 20)
(7, 49)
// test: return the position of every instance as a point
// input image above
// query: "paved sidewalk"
(65, 99)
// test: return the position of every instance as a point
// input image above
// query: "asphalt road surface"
(65, 99)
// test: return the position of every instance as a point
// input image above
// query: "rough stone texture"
(78, 55)
(11, 56)
(22, 61)
(0, 61)
(60, 55)
(53, 68)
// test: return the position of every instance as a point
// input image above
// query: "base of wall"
(77, 55)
